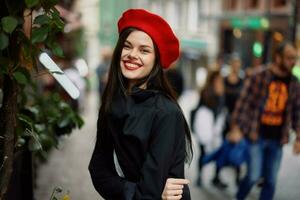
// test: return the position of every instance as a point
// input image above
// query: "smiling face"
(137, 57)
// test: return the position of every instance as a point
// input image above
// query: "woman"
(142, 137)
(208, 126)
(233, 85)
(209, 119)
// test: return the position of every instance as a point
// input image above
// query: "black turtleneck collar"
(140, 95)
(123, 104)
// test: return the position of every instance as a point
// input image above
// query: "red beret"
(157, 28)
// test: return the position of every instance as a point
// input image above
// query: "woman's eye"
(126, 46)
(144, 51)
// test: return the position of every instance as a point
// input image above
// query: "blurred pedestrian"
(209, 120)
(266, 110)
(255, 66)
(233, 85)
(143, 138)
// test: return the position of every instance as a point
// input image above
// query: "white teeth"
(132, 65)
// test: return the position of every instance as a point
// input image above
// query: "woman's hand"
(174, 188)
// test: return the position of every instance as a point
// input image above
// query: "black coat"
(146, 130)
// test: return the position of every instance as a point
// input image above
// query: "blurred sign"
(250, 22)
(193, 43)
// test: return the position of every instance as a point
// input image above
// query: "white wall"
(192, 22)
(91, 22)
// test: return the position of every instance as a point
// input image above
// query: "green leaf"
(9, 24)
(39, 34)
(25, 118)
(47, 4)
(34, 144)
(59, 24)
(31, 3)
(79, 121)
(54, 12)
(64, 122)
(56, 19)
(21, 141)
(47, 141)
(25, 72)
(35, 110)
(56, 49)
(40, 127)
(63, 105)
(3, 41)
(20, 78)
(42, 19)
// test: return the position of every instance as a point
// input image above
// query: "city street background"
(210, 31)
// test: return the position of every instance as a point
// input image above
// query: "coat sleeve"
(168, 132)
(102, 169)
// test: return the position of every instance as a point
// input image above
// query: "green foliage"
(48, 4)
(56, 49)
(41, 118)
(9, 24)
(20, 78)
(40, 34)
(42, 19)
(3, 40)
(31, 3)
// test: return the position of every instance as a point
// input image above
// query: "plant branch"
(4, 160)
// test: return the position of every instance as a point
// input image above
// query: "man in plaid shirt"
(268, 107)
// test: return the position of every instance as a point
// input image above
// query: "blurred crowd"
(245, 116)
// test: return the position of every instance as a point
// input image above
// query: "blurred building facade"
(208, 28)
(89, 10)
(254, 27)
(193, 21)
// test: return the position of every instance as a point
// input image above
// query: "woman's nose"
(133, 53)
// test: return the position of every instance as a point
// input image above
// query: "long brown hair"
(207, 94)
(155, 80)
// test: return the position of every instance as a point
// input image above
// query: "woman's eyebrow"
(143, 45)
(146, 46)
(128, 42)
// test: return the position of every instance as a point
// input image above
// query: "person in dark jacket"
(143, 139)
(265, 113)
